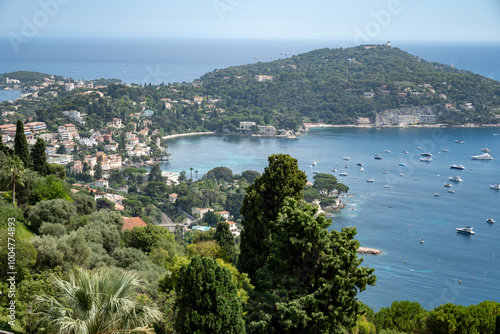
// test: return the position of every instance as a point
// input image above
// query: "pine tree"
(311, 277)
(21, 148)
(225, 239)
(262, 202)
(207, 299)
(98, 170)
(155, 174)
(39, 157)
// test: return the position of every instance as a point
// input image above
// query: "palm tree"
(191, 169)
(196, 172)
(15, 166)
(96, 302)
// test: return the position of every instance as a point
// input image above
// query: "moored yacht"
(490, 220)
(455, 178)
(460, 141)
(426, 154)
(495, 186)
(346, 158)
(487, 150)
(377, 156)
(457, 166)
(484, 156)
(426, 159)
(448, 185)
(343, 174)
(465, 230)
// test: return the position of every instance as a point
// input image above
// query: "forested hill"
(336, 86)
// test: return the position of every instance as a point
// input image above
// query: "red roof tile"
(130, 223)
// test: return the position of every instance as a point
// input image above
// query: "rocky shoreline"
(369, 251)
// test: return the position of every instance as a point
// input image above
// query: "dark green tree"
(225, 239)
(262, 202)
(147, 238)
(98, 169)
(155, 174)
(341, 188)
(53, 211)
(223, 173)
(211, 218)
(311, 277)
(61, 149)
(39, 157)
(403, 316)
(325, 182)
(250, 175)
(207, 299)
(85, 204)
(21, 148)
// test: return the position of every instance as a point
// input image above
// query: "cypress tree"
(262, 202)
(98, 170)
(21, 148)
(39, 157)
(225, 239)
(207, 299)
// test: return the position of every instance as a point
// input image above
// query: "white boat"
(448, 185)
(437, 194)
(334, 169)
(426, 159)
(487, 150)
(484, 156)
(316, 172)
(426, 154)
(343, 174)
(406, 152)
(362, 169)
(490, 220)
(346, 158)
(495, 186)
(455, 178)
(451, 191)
(377, 156)
(315, 163)
(457, 166)
(421, 240)
(370, 180)
(310, 166)
(401, 174)
(465, 230)
(460, 141)
(385, 172)
(419, 148)
(387, 151)
(445, 150)
(386, 186)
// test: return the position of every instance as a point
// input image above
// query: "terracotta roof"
(223, 212)
(130, 223)
(231, 223)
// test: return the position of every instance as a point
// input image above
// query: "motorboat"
(426, 159)
(315, 163)
(426, 154)
(316, 172)
(419, 148)
(465, 230)
(401, 174)
(406, 152)
(437, 194)
(343, 174)
(445, 150)
(451, 191)
(448, 185)
(334, 169)
(386, 186)
(346, 158)
(460, 141)
(484, 156)
(495, 186)
(402, 164)
(310, 166)
(487, 150)
(457, 166)
(361, 169)
(455, 178)
(421, 240)
(377, 156)
(490, 220)
(370, 180)
(346, 166)
(359, 163)
(385, 172)
(387, 151)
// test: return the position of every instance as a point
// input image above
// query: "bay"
(392, 219)
(6, 95)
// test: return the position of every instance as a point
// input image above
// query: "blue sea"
(393, 219)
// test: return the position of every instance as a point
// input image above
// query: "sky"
(356, 21)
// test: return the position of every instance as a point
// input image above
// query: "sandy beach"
(188, 134)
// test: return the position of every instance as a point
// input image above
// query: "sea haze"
(393, 219)
(183, 60)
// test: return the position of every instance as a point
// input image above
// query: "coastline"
(188, 134)
(308, 126)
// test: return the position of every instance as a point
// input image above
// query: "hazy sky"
(353, 21)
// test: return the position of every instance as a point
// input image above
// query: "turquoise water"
(393, 219)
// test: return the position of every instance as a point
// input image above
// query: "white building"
(246, 125)
(75, 114)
